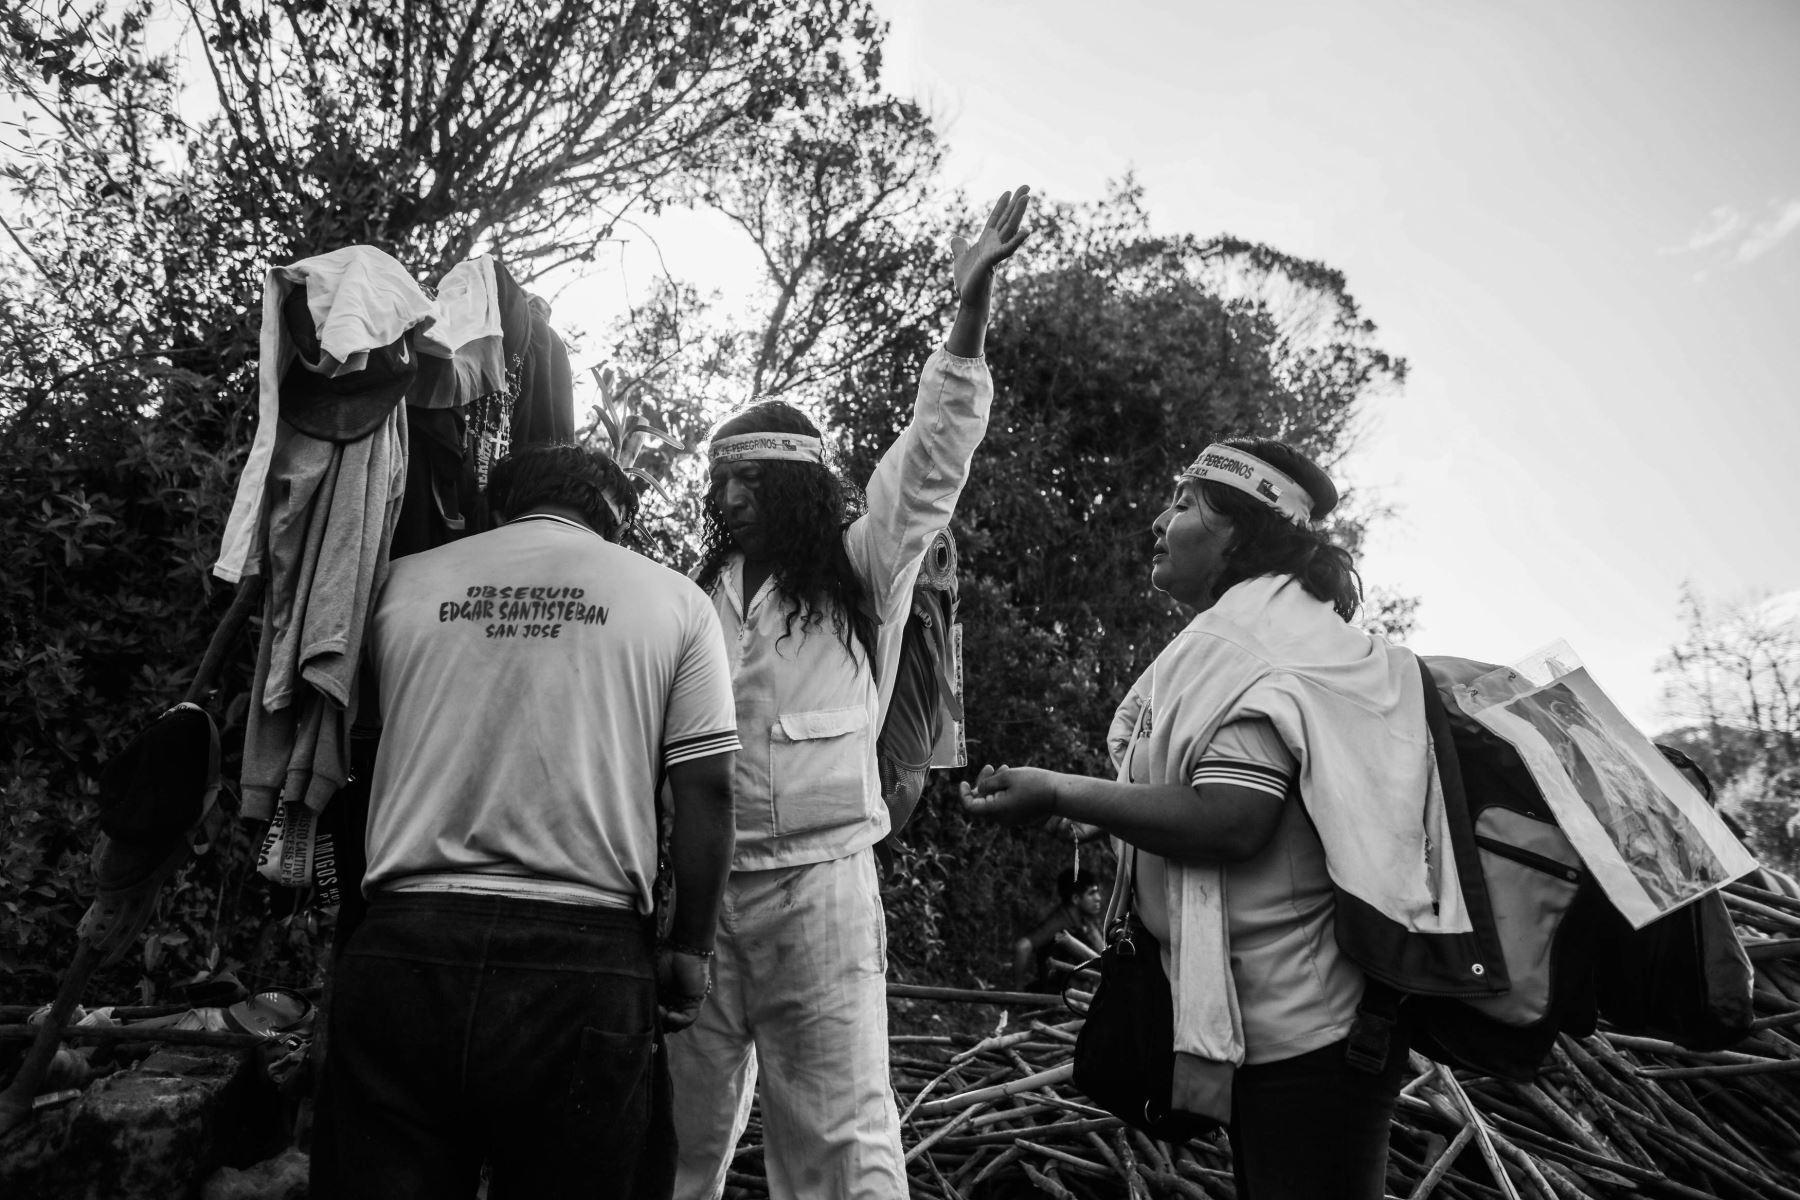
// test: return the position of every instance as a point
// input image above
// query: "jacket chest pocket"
(817, 768)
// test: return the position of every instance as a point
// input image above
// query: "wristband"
(690, 951)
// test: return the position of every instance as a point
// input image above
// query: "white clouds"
(1738, 238)
(1720, 224)
(1765, 234)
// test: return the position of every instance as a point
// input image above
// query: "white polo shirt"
(535, 683)
(1296, 991)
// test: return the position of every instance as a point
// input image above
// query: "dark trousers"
(1313, 1127)
(472, 1029)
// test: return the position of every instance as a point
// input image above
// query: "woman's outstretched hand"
(1011, 795)
(973, 263)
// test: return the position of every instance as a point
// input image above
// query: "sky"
(1579, 223)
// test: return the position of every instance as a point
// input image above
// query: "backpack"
(923, 726)
(1555, 954)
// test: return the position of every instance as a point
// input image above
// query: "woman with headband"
(1270, 751)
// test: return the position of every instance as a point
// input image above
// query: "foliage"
(619, 424)
(140, 215)
(1767, 803)
(1737, 668)
(137, 216)
(105, 605)
(1116, 354)
(836, 200)
(124, 362)
(108, 193)
(427, 127)
(1733, 681)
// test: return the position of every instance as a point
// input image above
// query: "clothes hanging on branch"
(364, 372)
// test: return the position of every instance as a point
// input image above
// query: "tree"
(424, 129)
(1116, 358)
(1735, 678)
(832, 198)
(139, 208)
(1117, 354)
(838, 201)
(1733, 682)
(427, 127)
(124, 354)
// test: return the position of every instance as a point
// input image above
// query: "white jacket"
(1350, 707)
(808, 709)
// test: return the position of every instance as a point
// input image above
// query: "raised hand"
(973, 263)
(972, 269)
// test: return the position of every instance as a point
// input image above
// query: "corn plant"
(618, 418)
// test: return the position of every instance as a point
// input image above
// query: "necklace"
(553, 517)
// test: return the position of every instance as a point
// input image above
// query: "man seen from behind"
(500, 1003)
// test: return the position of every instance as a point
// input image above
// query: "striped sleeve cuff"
(700, 745)
(1257, 776)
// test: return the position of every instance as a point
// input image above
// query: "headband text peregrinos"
(1219, 463)
(783, 447)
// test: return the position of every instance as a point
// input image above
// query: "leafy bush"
(106, 606)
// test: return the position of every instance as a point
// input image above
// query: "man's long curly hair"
(804, 508)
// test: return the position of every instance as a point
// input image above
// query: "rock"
(280, 1178)
(129, 1136)
(194, 1062)
(152, 1132)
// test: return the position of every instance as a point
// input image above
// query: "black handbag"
(1125, 1051)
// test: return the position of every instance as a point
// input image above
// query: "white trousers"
(799, 992)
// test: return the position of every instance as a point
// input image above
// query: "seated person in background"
(1078, 914)
(1766, 878)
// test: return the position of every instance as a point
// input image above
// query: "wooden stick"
(919, 991)
(1046, 1184)
(1011, 1155)
(1012, 1087)
(249, 591)
(15, 1102)
(1644, 1045)
(1063, 1156)
(965, 1115)
(131, 1033)
(1527, 1166)
(1441, 1167)
(1775, 1066)
(1560, 1118)
(1483, 1138)
(1773, 948)
(1004, 1137)
(1652, 1179)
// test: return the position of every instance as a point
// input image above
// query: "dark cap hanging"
(348, 406)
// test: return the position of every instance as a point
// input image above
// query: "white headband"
(785, 447)
(1219, 463)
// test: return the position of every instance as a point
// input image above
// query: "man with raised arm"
(812, 596)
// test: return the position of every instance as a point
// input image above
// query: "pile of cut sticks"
(996, 1117)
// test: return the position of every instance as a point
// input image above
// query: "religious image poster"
(1650, 838)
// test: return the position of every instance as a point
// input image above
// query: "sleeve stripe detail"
(1258, 776)
(700, 746)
